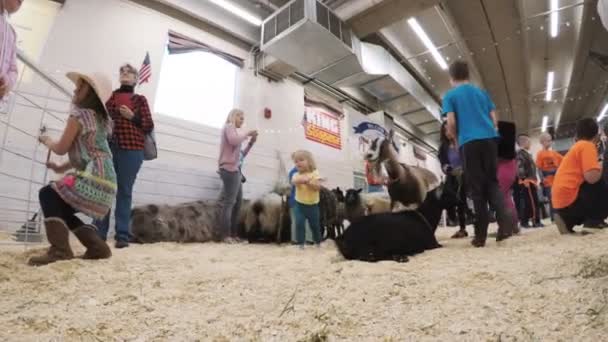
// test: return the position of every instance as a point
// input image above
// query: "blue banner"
(364, 126)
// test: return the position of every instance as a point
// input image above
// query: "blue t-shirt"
(292, 196)
(472, 107)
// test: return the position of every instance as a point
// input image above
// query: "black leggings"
(456, 185)
(54, 206)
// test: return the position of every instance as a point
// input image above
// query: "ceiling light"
(238, 11)
(544, 125)
(550, 79)
(554, 17)
(603, 113)
(427, 42)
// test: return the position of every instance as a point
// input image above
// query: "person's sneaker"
(595, 225)
(538, 225)
(500, 237)
(478, 243)
(525, 225)
(562, 227)
(460, 234)
(121, 244)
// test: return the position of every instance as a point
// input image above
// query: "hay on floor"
(539, 286)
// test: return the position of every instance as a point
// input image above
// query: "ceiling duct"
(309, 36)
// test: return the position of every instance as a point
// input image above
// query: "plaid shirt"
(129, 134)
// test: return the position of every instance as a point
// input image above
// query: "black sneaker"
(595, 225)
(478, 243)
(121, 244)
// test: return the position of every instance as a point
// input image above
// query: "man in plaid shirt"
(132, 121)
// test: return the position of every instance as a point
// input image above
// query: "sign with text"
(322, 126)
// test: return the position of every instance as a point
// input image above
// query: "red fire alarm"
(267, 113)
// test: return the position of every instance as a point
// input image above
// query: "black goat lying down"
(395, 236)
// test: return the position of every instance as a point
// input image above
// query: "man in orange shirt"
(578, 188)
(548, 162)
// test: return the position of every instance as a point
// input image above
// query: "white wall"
(94, 35)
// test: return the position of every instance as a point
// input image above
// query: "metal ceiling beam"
(381, 14)
(396, 97)
(414, 111)
(214, 16)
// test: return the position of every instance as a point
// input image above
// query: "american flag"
(145, 72)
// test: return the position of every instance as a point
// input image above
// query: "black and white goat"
(407, 184)
(395, 236)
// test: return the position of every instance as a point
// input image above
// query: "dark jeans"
(231, 198)
(480, 166)
(54, 206)
(127, 164)
(530, 204)
(590, 205)
(547, 194)
(303, 213)
(455, 184)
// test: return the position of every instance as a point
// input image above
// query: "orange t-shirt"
(581, 158)
(548, 160)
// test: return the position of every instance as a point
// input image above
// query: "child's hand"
(126, 112)
(45, 140)
(56, 167)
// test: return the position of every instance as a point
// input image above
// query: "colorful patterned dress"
(91, 188)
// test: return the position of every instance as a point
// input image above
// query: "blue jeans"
(375, 188)
(303, 213)
(126, 164)
(231, 198)
(547, 193)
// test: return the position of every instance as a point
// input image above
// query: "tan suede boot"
(58, 235)
(96, 247)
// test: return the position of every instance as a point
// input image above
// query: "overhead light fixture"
(545, 123)
(603, 113)
(554, 17)
(238, 11)
(550, 79)
(427, 42)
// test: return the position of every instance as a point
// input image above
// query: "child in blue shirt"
(472, 114)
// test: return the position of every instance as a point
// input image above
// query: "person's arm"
(521, 167)
(62, 146)
(451, 125)
(249, 146)
(494, 119)
(315, 181)
(592, 171)
(143, 117)
(233, 137)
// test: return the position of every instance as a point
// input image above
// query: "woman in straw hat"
(132, 120)
(91, 185)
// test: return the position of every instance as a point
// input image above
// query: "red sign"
(322, 126)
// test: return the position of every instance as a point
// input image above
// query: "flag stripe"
(145, 72)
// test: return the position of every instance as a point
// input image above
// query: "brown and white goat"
(407, 184)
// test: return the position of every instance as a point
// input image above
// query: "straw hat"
(100, 83)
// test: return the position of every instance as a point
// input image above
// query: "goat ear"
(359, 191)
